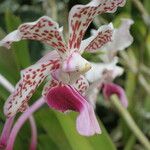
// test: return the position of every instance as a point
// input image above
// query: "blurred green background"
(57, 131)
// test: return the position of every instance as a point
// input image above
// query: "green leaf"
(8, 66)
(147, 103)
(46, 143)
(80, 142)
(61, 129)
(76, 141)
(147, 5)
(131, 142)
(103, 140)
(47, 120)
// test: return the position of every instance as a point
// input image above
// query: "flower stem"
(21, 121)
(140, 7)
(6, 132)
(33, 143)
(142, 10)
(130, 122)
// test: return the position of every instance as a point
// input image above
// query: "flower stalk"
(6, 132)
(130, 122)
(143, 11)
(33, 143)
(140, 7)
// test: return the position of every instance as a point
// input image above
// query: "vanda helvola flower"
(65, 65)
(102, 74)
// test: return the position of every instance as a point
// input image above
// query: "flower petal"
(49, 56)
(44, 29)
(100, 37)
(98, 69)
(31, 78)
(81, 16)
(110, 88)
(69, 99)
(63, 101)
(87, 123)
(121, 37)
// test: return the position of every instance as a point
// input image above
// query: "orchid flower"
(65, 65)
(102, 74)
(80, 105)
(64, 98)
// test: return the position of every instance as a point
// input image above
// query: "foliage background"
(55, 130)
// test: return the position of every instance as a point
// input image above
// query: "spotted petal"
(121, 37)
(44, 29)
(100, 37)
(31, 78)
(69, 99)
(81, 16)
